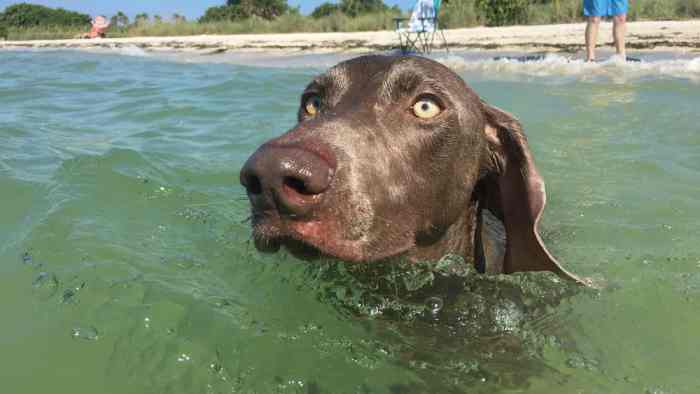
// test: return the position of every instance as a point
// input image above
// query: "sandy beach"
(676, 36)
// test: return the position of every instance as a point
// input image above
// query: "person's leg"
(619, 12)
(619, 30)
(591, 37)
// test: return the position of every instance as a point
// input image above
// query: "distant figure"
(594, 10)
(99, 27)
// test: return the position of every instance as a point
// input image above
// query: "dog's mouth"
(307, 240)
(270, 234)
(296, 248)
(315, 238)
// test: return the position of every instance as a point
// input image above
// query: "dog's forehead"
(377, 69)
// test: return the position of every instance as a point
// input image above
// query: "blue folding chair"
(419, 34)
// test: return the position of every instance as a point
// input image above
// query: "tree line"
(29, 15)
(254, 16)
(25, 15)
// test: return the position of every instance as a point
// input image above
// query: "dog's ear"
(513, 191)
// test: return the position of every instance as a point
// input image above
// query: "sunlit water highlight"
(125, 262)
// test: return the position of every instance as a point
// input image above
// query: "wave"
(126, 50)
(488, 64)
(614, 68)
(503, 65)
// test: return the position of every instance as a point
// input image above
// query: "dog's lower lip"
(296, 247)
(301, 249)
(271, 232)
(267, 245)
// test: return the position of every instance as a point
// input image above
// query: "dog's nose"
(288, 179)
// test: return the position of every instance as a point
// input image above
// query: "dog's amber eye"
(426, 108)
(312, 105)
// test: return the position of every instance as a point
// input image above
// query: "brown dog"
(397, 156)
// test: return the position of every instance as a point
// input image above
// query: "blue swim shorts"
(604, 7)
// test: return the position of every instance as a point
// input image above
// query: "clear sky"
(192, 9)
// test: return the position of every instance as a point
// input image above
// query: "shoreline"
(670, 36)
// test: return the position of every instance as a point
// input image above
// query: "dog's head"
(397, 156)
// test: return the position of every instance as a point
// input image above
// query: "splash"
(126, 50)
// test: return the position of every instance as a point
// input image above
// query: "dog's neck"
(459, 239)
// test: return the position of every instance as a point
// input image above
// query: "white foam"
(126, 50)
(131, 50)
(557, 68)
(613, 68)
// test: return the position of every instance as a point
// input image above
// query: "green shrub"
(221, 13)
(654, 9)
(555, 11)
(43, 32)
(266, 9)
(355, 8)
(27, 15)
(325, 9)
(243, 9)
(459, 13)
(503, 12)
(234, 19)
(119, 20)
(689, 8)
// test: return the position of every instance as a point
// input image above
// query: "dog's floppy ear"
(514, 192)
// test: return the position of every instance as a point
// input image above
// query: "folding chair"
(420, 33)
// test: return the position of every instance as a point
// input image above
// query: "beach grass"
(289, 23)
(43, 33)
(454, 14)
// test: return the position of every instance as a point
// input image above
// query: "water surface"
(126, 263)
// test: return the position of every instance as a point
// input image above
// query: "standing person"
(594, 10)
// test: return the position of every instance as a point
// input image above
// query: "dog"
(395, 156)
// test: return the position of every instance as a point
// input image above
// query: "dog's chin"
(266, 245)
(314, 239)
(297, 248)
(271, 234)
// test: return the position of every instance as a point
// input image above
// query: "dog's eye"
(312, 105)
(426, 108)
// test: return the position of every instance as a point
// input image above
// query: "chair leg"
(432, 41)
(444, 41)
(425, 47)
(414, 43)
(405, 43)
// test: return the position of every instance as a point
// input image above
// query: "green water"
(126, 264)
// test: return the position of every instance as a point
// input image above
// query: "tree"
(354, 8)
(221, 13)
(120, 20)
(325, 9)
(28, 15)
(157, 19)
(242, 9)
(177, 18)
(141, 19)
(503, 12)
(267, 9)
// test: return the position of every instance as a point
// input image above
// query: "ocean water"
(126, 264)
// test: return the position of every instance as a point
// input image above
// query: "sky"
(192, 9)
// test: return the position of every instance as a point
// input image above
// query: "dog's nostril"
(252, 183)
(297, 185)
